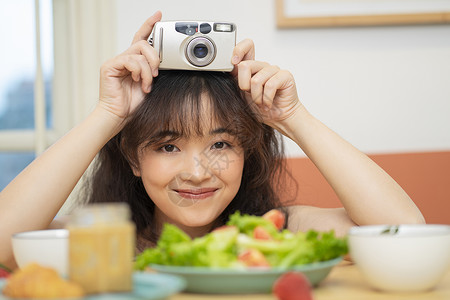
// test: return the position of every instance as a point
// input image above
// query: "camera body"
(194, 45)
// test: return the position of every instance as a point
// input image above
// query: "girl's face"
(192, 179)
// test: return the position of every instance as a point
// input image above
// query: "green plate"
(146, 286)
(242, 281)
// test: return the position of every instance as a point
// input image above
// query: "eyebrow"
(167, 133)
(221, 130)
(173, 135)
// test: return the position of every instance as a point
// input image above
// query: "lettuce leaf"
(247, 223)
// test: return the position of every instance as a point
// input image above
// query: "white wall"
(384, 89)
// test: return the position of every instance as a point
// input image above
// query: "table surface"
(343, 283)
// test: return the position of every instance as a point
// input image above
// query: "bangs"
(188, 111)
(191, 103)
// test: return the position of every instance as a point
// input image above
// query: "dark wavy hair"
(174, 104)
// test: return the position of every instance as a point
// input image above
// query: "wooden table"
(343, 283)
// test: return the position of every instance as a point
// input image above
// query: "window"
(41, 102)
(18, 78)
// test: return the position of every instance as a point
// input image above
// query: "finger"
(140, 70)
(134, 65)
(245, 71)
(281, 80)
(145, 75)
(146, 28)
(143, 48)
(135, 68)
(258, 83)
(244, 50)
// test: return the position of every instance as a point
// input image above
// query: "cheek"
(155, 173)
(231, 170)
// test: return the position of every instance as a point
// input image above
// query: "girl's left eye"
(220, 145)
(169, 148)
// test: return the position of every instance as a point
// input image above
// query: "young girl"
(190, 148)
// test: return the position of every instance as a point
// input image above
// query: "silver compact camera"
(194, 45)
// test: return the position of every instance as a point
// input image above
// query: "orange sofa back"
(424, 176)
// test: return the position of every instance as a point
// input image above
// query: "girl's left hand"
(271, 91)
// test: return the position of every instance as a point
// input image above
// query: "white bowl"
(403, 258)
(48, 248)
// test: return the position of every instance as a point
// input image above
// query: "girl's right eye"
(169, 148)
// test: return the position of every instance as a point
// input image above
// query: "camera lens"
(200, 51)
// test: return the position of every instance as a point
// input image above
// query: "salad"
(245, 241)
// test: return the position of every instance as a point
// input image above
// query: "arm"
(368, 194)
(33, 198)
(303, 218)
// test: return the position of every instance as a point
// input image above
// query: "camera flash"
(224, 27)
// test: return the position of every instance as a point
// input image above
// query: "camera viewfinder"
(223, 27)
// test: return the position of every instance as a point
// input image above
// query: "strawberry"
(253, 258)
(292, 286)
(4, 273)
(260, 233)
(276, 217)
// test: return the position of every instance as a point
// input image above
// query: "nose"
(196, 168)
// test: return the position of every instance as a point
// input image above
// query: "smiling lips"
(197, 194)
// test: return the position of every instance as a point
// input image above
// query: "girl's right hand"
(127, 78)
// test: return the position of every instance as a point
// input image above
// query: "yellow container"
(101, 248)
